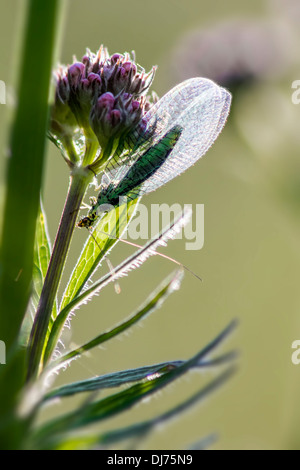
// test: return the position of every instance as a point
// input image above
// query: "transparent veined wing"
(200, 107)
(144, 166)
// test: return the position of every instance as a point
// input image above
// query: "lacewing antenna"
(139, 246)
(163, 256)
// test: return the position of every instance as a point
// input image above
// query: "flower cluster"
(234, 52)
(101, 93)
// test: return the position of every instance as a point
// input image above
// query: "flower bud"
(106, 94)
(113, 116)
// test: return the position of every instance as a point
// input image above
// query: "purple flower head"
(115, 58)
(103, 93)
(106, 101)
(62, 121)
(113, 116)
(76, 72)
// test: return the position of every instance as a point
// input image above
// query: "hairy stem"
(78, 185)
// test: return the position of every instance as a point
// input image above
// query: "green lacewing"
(181, 127)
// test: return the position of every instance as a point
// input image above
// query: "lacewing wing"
(184, 124)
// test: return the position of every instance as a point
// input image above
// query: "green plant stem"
(91, 148)
(23, 183)
(79, 181)
(25, 167)
(70, 148)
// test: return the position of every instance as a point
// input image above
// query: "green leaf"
(71, 441)
(42, 247)
(117, 379)
(115, 221)
(93, 252)
(126, 266)
(142, 429)
(42, 254)
(154, 301)
(41, 258)
(124, 400)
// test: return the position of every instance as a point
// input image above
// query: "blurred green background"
(249, 183)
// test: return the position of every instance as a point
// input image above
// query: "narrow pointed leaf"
(42, 254)
(126, 266)
(122, 401)
(142, 429)
(117, 379)
(139, 430)
(154, 301)
(92, 254)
